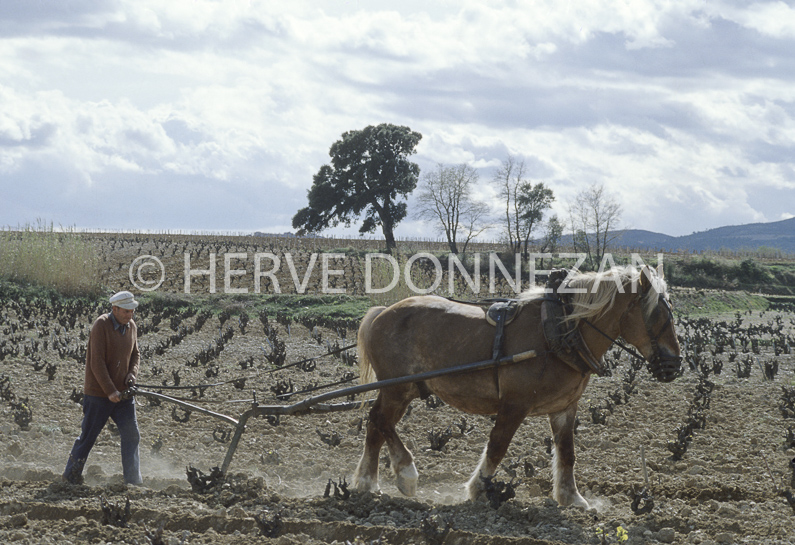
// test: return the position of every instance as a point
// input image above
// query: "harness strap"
(565, 341)
(499, 324)
(496, 350)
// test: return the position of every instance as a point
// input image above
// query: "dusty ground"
(723, 490)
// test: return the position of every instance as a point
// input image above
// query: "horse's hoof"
(575, 501)
(474, 489)
(366, 485)
(407, 480)
(581, 502)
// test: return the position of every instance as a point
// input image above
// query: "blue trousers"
(96, 411)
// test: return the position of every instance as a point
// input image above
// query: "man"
(112, 360)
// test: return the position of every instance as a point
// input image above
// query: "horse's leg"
(365, 478)
(387, 411)
(508, 421)
(402, 460)
(564, 489)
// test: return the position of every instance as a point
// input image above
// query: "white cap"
(123, 299)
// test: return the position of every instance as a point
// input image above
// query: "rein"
(195, 387)
(333, 352)
(230, 381)
(615, 341)
(656, 357)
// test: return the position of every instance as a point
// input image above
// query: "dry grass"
(41, 256)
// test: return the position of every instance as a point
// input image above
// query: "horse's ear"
(645, 279)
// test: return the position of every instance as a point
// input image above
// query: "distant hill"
(778, 234)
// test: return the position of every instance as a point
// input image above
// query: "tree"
(553, 231)
(533, 200)
(507, 178)
(595, 216)
(446, 198)
(369, 173)
(525, 203)
(552, 234)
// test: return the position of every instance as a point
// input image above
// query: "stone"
(94, 470)
(18, 521)
(15, 449)
(534, 490)
(666, 535)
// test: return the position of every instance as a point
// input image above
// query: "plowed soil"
(287, 483)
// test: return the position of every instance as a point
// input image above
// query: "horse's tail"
(366, 371)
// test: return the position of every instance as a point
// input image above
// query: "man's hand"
(115, 397)
(130, 380)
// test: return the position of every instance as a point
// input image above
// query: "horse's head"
(648, 324)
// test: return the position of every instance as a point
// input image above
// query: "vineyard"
(709, 458)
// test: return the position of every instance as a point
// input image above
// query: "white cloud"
(775, 19)
(685, 110)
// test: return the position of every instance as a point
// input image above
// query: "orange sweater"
(110, 357)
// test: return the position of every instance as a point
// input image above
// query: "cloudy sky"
(204, 115)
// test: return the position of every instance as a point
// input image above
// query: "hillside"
(779, 235)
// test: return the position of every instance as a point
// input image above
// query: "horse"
(428, 332)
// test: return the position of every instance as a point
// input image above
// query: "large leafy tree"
(369, 174)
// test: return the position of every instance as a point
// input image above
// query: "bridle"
(663, 368)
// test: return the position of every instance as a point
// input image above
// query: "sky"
(199, 115)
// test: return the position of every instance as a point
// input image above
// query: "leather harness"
(563, 339)
(499, 315)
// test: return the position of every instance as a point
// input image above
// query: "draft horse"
(426, 333)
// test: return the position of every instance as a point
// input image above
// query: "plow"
(320, 403)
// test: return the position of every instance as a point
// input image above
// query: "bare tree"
(445, 198)
(595, 216)
(507, 179)
(525, 203)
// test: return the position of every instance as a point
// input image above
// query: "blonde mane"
(595, 292)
